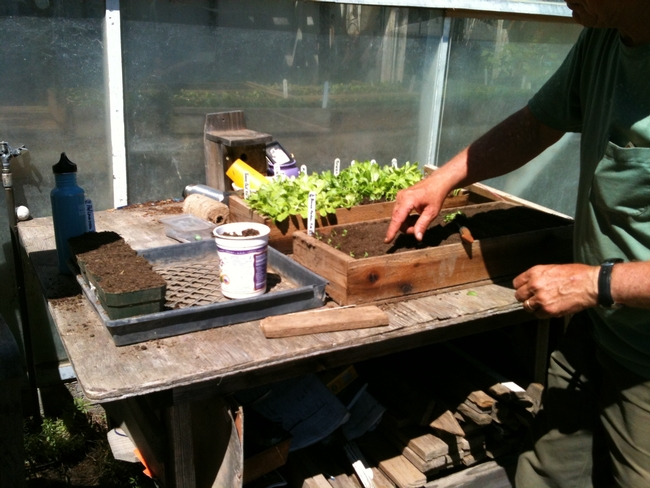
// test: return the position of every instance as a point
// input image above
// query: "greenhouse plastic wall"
(326, 81)
(495, 67)
(52, 101)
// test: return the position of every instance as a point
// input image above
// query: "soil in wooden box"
(362, 268)
(281, 232)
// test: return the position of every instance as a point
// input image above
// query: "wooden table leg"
(205, 444)
(181, 469)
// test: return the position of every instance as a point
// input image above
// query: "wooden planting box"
(281, 236)
(509, 239)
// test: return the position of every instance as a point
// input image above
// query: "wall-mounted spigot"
(6, 154)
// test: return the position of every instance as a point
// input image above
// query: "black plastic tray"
(309, 292)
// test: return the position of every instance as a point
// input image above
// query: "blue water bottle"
(68, 209)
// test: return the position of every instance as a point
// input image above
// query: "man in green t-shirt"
(596, 416)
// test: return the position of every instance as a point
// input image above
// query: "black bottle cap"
(64, 165)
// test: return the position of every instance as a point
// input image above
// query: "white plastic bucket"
(242, 259)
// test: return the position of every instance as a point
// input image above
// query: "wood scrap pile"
(443, 413)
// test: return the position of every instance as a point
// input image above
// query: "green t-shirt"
(602, 90)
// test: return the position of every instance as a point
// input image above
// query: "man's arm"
(507, 146)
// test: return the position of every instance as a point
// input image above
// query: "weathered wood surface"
(226, 359)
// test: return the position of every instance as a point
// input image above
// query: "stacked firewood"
(442, 414)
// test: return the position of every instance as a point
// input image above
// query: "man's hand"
(558, 289)
(423, 198)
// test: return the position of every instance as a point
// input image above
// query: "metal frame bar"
(539, 7)
(117, 128)
(442, 66)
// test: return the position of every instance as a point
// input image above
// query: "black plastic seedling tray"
(291, 288)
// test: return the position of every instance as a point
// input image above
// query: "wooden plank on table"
(323, 320)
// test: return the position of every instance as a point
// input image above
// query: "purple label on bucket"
(259, 261)
(260, 270)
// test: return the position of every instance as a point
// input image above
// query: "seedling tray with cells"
(360, 267)
(193, 300)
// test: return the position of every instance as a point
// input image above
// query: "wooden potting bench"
(171, 394)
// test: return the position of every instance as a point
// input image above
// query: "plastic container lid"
(187, 227)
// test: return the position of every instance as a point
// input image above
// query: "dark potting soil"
(91, 241)
(243, 233)
(366, 239)
(115, 264)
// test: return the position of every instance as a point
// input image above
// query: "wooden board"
(355, 281)
(323, 320)
(281, 236)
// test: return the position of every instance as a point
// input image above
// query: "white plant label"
(337, 166)
(311, 213)
(352, 163)
(277, 170)
(393, 163)
(372, 161)
(303, 169)
(247, 185)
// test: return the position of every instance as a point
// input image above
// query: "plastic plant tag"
(372, 161)
(247, 185)
(337, 166)
(311, 214)
(303, 169)
(393, 163)
(90, 215)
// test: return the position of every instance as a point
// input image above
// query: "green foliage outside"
(60, 451)
(362, 182)
(340, 95)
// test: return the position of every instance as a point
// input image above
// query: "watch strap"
(605, 299)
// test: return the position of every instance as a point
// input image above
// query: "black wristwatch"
(605, 299)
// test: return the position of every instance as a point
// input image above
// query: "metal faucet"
(6, 153)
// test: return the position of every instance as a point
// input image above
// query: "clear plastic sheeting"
(495, 67)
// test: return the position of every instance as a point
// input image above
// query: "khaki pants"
(594, 429)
